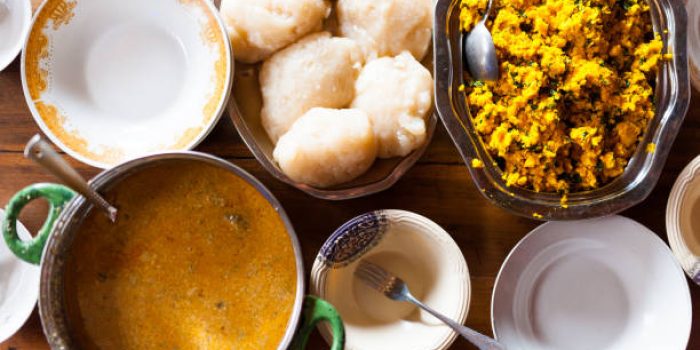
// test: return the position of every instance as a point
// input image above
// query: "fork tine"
(374, 270)
(367, 276)
(371, 271)
(377, 280)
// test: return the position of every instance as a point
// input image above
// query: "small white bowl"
(683, 219)
(416, 250)
(112, 80)
(604, 284)
(14, 26)
(19, 287)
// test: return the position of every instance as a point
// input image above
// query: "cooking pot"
(51, 246)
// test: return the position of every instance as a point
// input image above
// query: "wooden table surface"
(438, 187)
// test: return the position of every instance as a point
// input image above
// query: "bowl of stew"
(201, 255)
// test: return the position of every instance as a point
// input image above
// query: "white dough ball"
(258, 28)
(326, 147)
(387, 27)
(397, 94)
(318, 71)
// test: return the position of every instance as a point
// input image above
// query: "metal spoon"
(41, 152)
(480, 52)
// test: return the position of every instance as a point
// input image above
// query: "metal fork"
(395, 288)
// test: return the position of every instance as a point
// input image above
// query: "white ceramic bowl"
(19, 287)
(607, 283)
(415, 249)
(15, 20)
(112, 80)
(683, 219)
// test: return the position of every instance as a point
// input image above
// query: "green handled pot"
(67, 210)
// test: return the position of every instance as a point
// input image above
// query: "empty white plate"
(607, 283)
(19, 287)
(112, 80)
(15, 20)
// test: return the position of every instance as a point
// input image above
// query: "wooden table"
(438, 187)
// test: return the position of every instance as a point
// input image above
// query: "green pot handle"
(316, 310)
(57, 196)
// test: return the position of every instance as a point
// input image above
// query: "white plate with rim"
(414, 248)
(19, 287)
(606, 283)
(15, 20)
(112, 80)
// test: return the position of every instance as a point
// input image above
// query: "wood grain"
(438, 187)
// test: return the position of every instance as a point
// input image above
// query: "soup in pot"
(198, 259)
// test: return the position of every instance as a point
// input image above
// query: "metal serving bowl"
(643, 170)
(53, 243)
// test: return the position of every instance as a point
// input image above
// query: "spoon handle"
(41, 152)
(481, 341)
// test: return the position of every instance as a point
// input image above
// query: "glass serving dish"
(693, 8)
(642, 172)
(244, 109)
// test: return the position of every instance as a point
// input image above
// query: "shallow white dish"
(607, 283)
(683, 219)
(415, 249)
(111, 80)
(14, 26)
(19, 287)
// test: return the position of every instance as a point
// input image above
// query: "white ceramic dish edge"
(689, 261)
(322, 266)
(653, 237)
(26, 22)
(24, 295)
(220, 109)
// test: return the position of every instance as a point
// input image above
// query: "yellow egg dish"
(575, 93)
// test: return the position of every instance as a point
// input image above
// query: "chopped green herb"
(576, 178)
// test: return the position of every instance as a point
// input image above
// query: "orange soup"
(198, 259)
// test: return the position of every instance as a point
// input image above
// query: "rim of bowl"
(610, 198)
(23, 311)
(48, 311)
(386, 182)
(221, 106)
(688, 260)
(27, 24)
(536, 230)
(320, 269)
